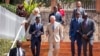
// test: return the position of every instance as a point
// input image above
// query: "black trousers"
(35, 46)
(79, 45)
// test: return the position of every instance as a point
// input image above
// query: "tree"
(53, 3)
(29, 6)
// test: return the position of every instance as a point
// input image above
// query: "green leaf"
(29, 7)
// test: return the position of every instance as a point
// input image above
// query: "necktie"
(84, 24)
(77, 20)
(37, 27)
(53, 27)
(37, 30)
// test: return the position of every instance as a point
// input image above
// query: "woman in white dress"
(31, 20)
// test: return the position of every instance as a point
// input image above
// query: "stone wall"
(92, 14)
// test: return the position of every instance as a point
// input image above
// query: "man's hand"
(70, 37)
(85, 36)
(34, 32)
(41, 33)
(23, 23)
(78, 31)
(47, 35)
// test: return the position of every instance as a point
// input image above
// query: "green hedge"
(5, 45)
(10, 7)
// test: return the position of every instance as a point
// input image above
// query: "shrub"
(5, 45)
(29, 6)
(10, 7)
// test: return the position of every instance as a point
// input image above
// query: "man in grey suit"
(55, 35)
(87, 29)
(78, 8)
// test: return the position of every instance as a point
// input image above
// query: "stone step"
(67, 53)
(62, 45)
(65, 49)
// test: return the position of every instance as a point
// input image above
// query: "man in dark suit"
(36, 30)
(87, 29)
(57, 14)
(17, 51)
(74, 33)
(78, 8)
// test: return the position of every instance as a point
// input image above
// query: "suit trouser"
(79, 45)
(35, 46)
(53, 46)
(85, 42)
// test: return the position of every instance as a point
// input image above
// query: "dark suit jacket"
(89, 29)
(74, 27)
(57, 15)
(33, 28)
(13, 52)
(82, 11)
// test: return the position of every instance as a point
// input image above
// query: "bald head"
(18, 43)
(85, 15)
(52, 19)
(78, 4)
(55, 8)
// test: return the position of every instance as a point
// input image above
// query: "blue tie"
(53, 27)
(37, 30)
(37, 27)
(84, 24)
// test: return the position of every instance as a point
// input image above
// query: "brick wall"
(98, 6)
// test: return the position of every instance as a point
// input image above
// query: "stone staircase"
(65, 49)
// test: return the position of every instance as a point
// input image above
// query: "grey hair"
(53, 17)
(37, 10)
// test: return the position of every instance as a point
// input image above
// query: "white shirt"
(19, 52)
(80, 20)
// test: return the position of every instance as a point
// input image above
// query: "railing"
(16, 38)
(9, 27)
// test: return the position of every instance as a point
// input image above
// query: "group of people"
(81, 30)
